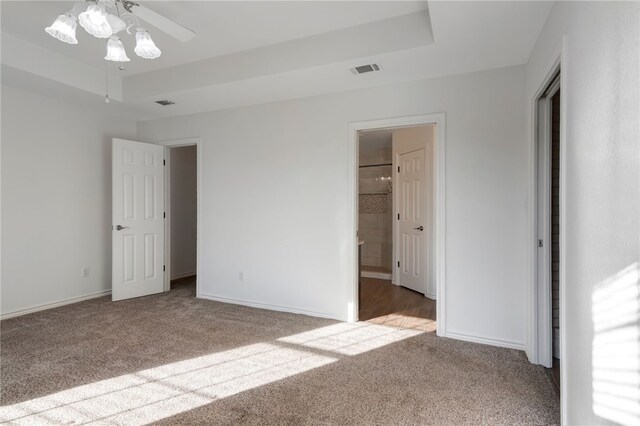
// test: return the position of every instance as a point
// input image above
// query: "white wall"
(602, 170)
(183, 210)
(56, 199)
(274, 197)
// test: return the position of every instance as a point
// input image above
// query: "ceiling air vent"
(362, 69)
(165, 102)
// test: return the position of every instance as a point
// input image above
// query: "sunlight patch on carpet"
(350, 338)
(156, 393)
(164, 391)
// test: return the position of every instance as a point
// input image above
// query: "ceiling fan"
(106, 18)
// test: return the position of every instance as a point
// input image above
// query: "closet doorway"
(548, 213)
(182, 203)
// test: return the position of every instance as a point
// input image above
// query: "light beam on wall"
(616, 347)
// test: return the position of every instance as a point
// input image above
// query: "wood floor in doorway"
(382, 302)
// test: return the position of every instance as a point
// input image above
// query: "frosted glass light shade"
(115, 50)
(116, 23)
(64, 29)
(145, 47)
(94, 21)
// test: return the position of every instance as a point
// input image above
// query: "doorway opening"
(396, 232)
(181, 221)
(548, 227)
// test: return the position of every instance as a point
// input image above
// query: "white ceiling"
(255, 52)
(221, 27)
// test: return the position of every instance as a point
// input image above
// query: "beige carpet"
(173, 359)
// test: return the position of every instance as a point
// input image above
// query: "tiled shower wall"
(375, 208)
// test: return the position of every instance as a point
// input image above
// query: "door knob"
(419, 228)
(120, 227)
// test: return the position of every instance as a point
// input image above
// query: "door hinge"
(398, 216)
(398, 169)
(164, 268)
(164, 162)
(540, 243)
(398, 263)
(164, 215)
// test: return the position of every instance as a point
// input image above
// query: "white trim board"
(271, 307)
(52, 305)
(486, 340)
(440, 218)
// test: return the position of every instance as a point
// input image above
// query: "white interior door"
(413, 221)
(137, 219)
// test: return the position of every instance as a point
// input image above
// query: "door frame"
(439, 151)
(544, 206)
(541, 309)
(176, 143)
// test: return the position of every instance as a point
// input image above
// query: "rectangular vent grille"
(362, 69)
(165, 102)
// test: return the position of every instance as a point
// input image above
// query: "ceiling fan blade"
(165, 24)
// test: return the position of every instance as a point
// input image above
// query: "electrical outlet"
(85, 272)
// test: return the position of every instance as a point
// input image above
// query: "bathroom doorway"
(396, 233)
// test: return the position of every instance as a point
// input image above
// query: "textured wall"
(601, 331)
(280, 172)
(56, 199)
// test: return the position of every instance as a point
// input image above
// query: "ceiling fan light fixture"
(145, 47)
(104, 19)
(116, 23)
(115, 50)
(94, 21)
(64, 29)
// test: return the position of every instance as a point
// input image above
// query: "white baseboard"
(52, 305)
(184, 275)
(376, 275)
(271, 307)
(485, 340)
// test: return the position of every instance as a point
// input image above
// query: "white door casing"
(439, 149)
(137, 219)
(544, 226)
(413, 221)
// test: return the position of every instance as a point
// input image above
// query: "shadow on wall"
(616, 347)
